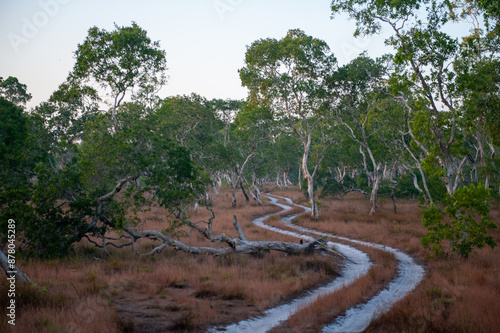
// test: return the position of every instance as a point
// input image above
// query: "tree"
(24, 151)
(226, 111)
(361, 114)
(13, 132)
(14, 91)
(468, 225)
(284, 158)
(423, 56)
(441, 82)
(289, 76)
(121, 60)
(192, 122)
(250, 128)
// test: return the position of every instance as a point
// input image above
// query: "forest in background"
(105, 157)
(420, 122)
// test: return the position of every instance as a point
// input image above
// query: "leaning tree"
(442, 82)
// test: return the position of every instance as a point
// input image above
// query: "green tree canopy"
(289, 77)
(120, 60)
(12, 90)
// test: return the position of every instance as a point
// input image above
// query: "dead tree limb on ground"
(240, 245)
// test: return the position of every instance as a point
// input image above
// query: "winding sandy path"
(356, 319)
(408, 276)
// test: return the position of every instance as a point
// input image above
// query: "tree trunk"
(257, 195)
(310, 189)
(244, 192)
(300, 179)
(312, 200)
(374, 195)
(373, 177)
(239, 245)
(393, 196)
(278, 181)
(239, 174)
(11, 270)
(253, 190)
(233, 202)
(422, 174)
(214, 186)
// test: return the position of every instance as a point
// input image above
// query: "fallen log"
(239, 245)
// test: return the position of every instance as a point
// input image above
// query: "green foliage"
(139, 149)
(14, 91)
(63, 165)
(362, 181)
(478, 80)
(436, 187)
(278, 70)
(56, 206)
(30, 189)
(192, 122)
(120, 60)
(404, 189)
(334, 188)
(466, 225)
(13, 132)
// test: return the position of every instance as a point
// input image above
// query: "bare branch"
(238, 228)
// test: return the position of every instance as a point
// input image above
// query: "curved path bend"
(356, 319)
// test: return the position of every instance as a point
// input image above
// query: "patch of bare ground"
(456, 295)
(168, 292)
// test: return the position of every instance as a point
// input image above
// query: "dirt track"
(356, 319)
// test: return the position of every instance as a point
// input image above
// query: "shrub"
(467, 225)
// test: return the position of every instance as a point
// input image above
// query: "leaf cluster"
(466, 225)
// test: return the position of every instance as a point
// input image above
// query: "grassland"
(171, 291)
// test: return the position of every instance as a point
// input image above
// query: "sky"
(205, 40)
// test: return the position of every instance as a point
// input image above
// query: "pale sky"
(205, 40)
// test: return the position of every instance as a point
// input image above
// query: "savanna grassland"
(178, 292)
(456, 295)
(171, 291)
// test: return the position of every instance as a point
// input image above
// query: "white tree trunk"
(374, 194)
(310, 187)
(12, 269)
(237, 181)
(300, 179)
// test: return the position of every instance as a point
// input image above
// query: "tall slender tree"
(289, 76)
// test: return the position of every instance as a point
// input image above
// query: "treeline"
(420, 122)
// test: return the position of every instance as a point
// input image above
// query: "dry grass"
(89, 292)
(172, 291)
(456, 295)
